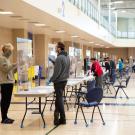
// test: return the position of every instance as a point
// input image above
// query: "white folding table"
(37, 92)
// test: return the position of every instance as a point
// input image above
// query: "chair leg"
(75, 122)
(71, 94)
(116, 92)
(84, 117)
(125, 93)
(92, 114)
(108, 89)
(101, 115)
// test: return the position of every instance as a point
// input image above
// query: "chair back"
(95, 94)
(91, 85)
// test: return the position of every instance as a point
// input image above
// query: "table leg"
(25, 112)
(41, 112)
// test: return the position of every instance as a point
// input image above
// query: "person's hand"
(48, 82)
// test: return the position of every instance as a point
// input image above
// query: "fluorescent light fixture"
(91, 42)
(107, 47)
(60, 31)
(97, 44)
(118, 2)
(40, 24)
(6, 13)
(123, 11)
(74, 36)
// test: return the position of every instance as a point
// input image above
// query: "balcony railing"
(90, 10)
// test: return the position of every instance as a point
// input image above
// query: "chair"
(81, 93)
(93, 97)
(122, 86)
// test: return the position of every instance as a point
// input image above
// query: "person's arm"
(4, 66)
(57, 69)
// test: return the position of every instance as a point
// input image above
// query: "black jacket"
(61, 68)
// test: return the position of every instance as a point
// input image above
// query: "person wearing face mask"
(7, 70)
(59, 78)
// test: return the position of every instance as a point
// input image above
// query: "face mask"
(8, 53)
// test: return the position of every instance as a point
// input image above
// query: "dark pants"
(59, 102)
(99, 81)
(112, 75)
(6, 93)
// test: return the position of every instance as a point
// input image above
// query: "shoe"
(61, 121)
(56, 118)
(11, 119)
(7, 121)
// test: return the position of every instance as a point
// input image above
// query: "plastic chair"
(93, 97)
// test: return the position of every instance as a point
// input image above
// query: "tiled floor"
(119, 115)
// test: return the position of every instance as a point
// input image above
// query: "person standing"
(6, 81)
(59, 78)
(98, 72)
(120, 67)
(112, 70)
(107, 65)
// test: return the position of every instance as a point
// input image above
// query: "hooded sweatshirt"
(61, 68)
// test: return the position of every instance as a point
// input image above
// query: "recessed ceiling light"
(74, 36)
(39, 24)
(118, 2)
(91, 42)
(6, 13)
(123, 11)
(60, 31)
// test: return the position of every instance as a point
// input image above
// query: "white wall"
(72, 16)
(5, 35)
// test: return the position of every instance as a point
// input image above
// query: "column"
(21, 33)
(41, 42)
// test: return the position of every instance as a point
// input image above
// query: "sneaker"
(61, 121)
(7, 121)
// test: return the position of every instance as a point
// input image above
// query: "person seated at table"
(7, 70)
(98, 72)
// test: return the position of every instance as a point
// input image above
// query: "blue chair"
(93, 97)
(81, 94)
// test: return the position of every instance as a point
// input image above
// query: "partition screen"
(24, 62)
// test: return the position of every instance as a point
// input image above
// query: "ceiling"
(127, 5)
(25, 15)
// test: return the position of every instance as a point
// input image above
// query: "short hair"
(93, 59)
(61, 45)
(7, 46)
